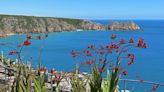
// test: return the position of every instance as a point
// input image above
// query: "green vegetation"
(33, 22)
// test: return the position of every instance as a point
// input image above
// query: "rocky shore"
(12, 24)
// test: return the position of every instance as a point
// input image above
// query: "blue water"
(149, 63)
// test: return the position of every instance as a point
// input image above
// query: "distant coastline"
(12, 24)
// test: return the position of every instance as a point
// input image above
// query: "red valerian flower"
(102, 52)
(131, 56)
(43, 69)
(124, 73)
(26, 43)
(53, 71)
(13, 52)
(122, 41)
(113, 37)
(73, 54)
(131, 40)
(107, 46)
(29, 37)
(88, 62)
(144, 45)
(57, 77)
(154, 88)
(88, 53)
(130, 63)
(141, 40)
(114, 46)
(91, 46)
(39, 37)
(46, 35)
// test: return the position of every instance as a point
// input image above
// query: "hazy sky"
(93, 9)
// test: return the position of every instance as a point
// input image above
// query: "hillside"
(31, 24)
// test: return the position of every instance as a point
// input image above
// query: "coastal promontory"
(11, 24)
(123, 26)
(14, 24)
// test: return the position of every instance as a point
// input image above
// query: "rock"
(123, 26)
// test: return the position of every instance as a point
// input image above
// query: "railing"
(139, 81)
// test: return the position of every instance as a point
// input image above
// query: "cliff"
(123, 26)
(30, 24)
(11, 24)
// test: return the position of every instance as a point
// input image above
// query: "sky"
(86, 9)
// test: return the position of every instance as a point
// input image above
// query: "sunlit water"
(149, 63)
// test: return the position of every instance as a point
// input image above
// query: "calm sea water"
(149, 63)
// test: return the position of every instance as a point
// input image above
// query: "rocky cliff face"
(10, 24)
(123, 26)
(29, 24)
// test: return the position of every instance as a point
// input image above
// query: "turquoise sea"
(149, 63)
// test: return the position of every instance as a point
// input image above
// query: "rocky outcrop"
(30, 24)
(123, 26)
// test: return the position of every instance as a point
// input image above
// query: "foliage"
(78, 85)
(39, 83)
(112, 54)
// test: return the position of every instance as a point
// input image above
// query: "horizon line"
(84, 17)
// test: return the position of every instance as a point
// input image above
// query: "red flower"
(46, 35)
(130, 63)
(88, 53)
(154, 88)
(102, 52)
(43, 69)
(141, 40)
(53, 71)
(39, 37)
(91, 46)
(88, 62)
(28, 37)
(131, 40)
(13, 52)
(131, 56)
(26, 43)
(114, 46)
(73, 54)
(57, 77)
(113, 37)
(107, 46)
(122, 41)
(124, 73)
(144, 45)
